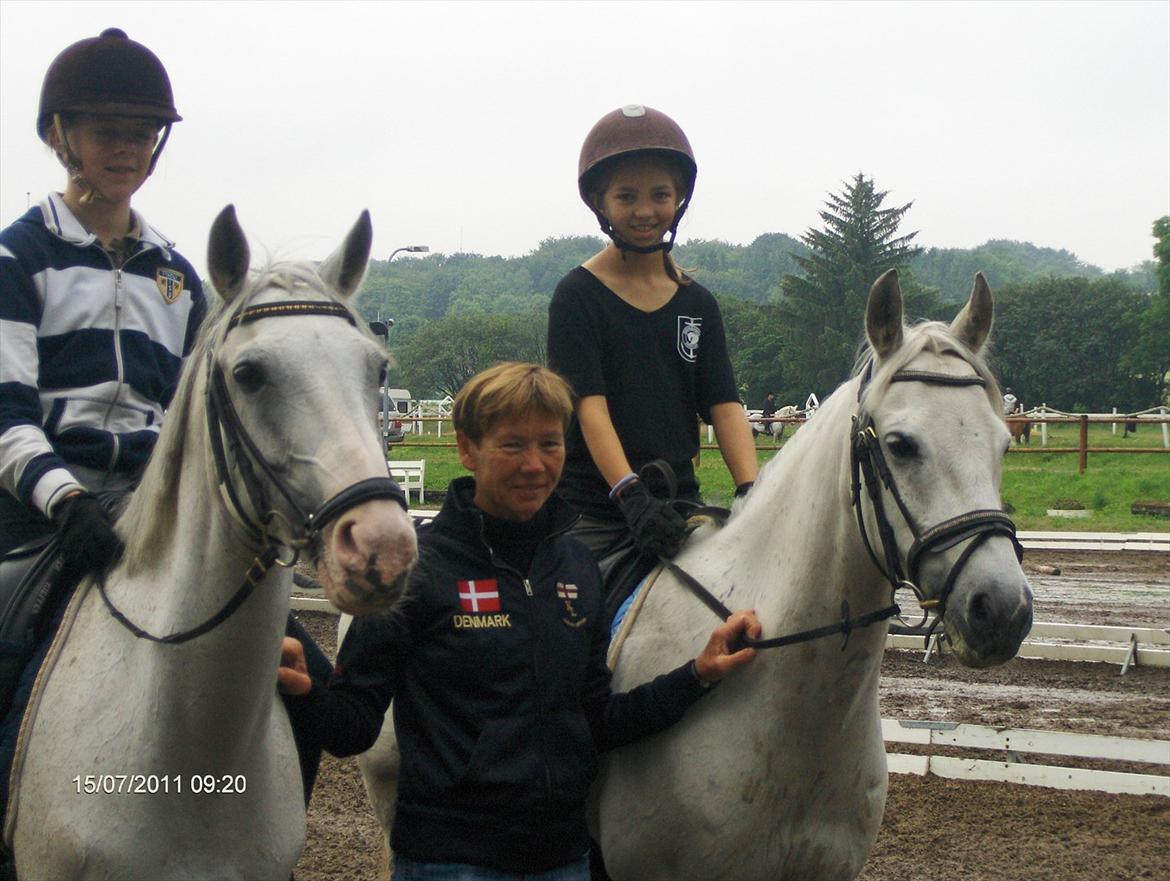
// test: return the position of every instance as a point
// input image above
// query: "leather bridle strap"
(949, 533)
(845, 624)
(252, 577)
(869, 461)
(222, 415)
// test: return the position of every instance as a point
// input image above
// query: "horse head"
(301, 455)
(931, 411)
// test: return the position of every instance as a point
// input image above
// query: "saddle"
(30, 588)
(625, 567)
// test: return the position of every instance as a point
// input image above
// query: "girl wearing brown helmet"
(641, 343)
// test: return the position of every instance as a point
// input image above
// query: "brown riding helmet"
(109, 74)
(627, 131)
(633, 129)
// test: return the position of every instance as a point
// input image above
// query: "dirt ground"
(936, 829)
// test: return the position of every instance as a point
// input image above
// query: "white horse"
(155, 745)
(776, 429)
(780, 773)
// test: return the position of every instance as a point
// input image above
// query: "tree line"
(1066, 333)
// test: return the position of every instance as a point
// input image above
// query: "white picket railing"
(1014, 742)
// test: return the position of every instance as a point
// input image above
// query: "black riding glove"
(744, 488)
(86, 532)
(658, 529)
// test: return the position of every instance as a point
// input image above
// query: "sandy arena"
(936, 829)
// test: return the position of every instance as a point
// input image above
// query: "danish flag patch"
(479, 596)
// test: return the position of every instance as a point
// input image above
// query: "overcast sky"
(459, 124)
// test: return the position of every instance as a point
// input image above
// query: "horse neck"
(189, 572)
(797, 550)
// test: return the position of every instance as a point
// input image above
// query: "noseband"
(868, 465)
(229, 438)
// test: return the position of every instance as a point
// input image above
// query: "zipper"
(119, 360)
(529, 592)
(120, 367)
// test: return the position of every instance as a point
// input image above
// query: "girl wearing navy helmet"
(641, 343)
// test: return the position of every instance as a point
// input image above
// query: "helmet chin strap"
(665, 245)
(66, 156)
(90, 193)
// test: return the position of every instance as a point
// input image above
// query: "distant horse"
(1019, 425)
(776, 428)
(781, 771)
(155, 745)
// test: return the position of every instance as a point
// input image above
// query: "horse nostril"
(344, 542)
(979, 608)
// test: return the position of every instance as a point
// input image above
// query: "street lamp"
(413, 249)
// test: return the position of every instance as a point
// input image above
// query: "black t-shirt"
(658, 371)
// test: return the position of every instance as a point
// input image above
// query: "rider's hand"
(86, 532)
(658, 529)
(717, 659)
(292, 676)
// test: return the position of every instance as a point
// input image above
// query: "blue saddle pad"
(620, 615)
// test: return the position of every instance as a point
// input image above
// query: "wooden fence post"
(1084, 451)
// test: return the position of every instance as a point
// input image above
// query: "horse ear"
(345, 268)
(883, 315)
(227, 254)
(973, 323)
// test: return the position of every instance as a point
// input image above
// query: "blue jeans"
(408, 870)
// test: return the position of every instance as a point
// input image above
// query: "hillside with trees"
(793, 307)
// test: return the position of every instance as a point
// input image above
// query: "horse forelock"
(934, 337)
(150, 515)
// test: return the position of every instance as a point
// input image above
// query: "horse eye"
(248, 376)
(901, 446)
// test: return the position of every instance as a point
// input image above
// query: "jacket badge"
(479, 600)
(170, 283)
(568, 593)
(689, 330)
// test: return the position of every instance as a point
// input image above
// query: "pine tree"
(824, 310)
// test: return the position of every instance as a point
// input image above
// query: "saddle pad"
(30, 713)
(623, 621)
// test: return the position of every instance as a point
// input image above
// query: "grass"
(1032, 482)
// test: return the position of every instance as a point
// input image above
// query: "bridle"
(231, 442)
(868, 465)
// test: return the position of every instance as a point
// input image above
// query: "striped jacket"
(90, 354)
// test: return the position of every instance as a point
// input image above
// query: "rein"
(868, 461)
(230, 439)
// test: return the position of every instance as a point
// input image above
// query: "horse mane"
(151, 513)
(929, 336)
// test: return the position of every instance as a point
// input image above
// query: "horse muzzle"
(989, 612)
(367, 555)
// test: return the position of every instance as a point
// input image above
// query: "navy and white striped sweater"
(90, 354)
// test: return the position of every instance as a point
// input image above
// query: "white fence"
(1043, 414)
(1127, 646)
(1016, 741)
(1095, 541)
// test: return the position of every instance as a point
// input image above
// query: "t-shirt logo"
(688, 337)
(479, 596)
